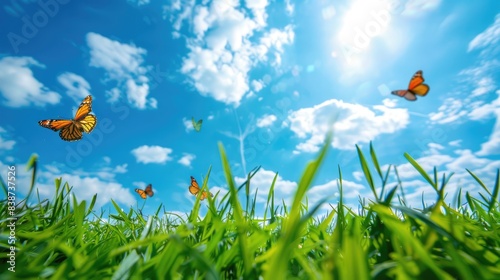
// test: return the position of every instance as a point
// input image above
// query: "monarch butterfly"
(416, 87)
(196, 125)
(148, 191)
(194, 188)
(72, 130)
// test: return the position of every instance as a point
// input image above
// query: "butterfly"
(196, 125)
(416, 87)
(148, 191)
(72, 130)
(194, 188)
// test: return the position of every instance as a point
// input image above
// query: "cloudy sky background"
(267, 78)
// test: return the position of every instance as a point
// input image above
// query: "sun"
(363, 21)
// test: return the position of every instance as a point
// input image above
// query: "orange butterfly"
(416, 87)
(72, 130)
(148, 191)
(194, 188)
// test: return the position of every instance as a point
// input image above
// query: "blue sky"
(266, 77)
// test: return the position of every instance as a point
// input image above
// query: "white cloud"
(221, 53)
(451, 110)
(466, 159)
(492, 146)
(257, 85)
(455, 143)
(186, 159)
(124, 64)
(389, 103)
(489, 37)
(18, 85)
(113, 95)
(137, 95)
(106, 159)
(76, 86)
(138, 3)
(478, 84)
(487, 110)
(85, 185)
(434, 148)
(121, 168)
(177, 13)
(152, 154)
(276, 39)
(188, 124)
(414, 185)
(5, 144)
(483, 167)
(481, 77)
(262, 181)
(350, 190)
(428, 162)
(140, 185)
(266, 120)
(289, 7)
(485, 85)
(419, 7)
(355, 124)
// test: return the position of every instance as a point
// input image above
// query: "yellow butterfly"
(148, 191)
(416, 87)
(72, 130)
(194, 189)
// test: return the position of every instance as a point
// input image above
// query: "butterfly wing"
(149, 190)
(408, 95)
(142, 193)
(194, 188)
(71, 130)
(417, 86)
(196, 125)
(55, 125)
(400, 92)
(84, 109)
(71, 133)
(205, 195)
(416, 80)
(421, 90)
(88, 123)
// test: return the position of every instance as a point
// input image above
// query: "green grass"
(64, 238)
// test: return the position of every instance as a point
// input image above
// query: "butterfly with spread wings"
(196, 124)
(148, 191)
(72, 130)
(194, 189)
(416, 87)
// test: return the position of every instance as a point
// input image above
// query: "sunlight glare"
(364, 20)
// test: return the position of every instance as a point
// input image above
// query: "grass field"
(66, 239)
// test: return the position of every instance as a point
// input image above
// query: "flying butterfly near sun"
(194, 189)
(196, 124)
(72, 130)
(416, 87)
(148, 191)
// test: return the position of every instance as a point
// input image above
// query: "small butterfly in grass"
(72, 130)
(194, 189)
(416, 87)
(196, 125)
(148, 191)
